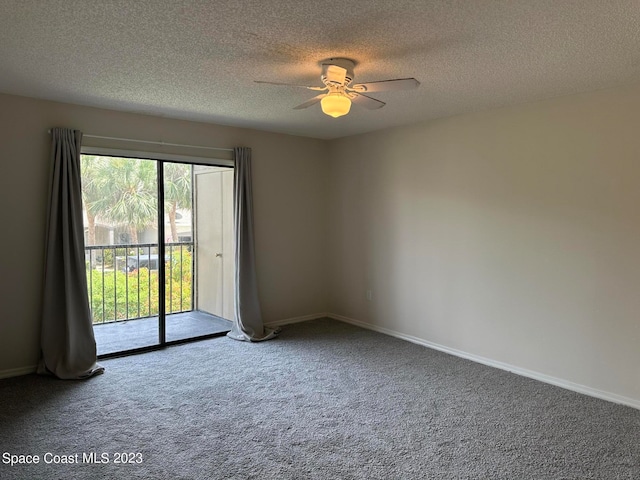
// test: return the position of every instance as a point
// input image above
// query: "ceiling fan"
(337, 77)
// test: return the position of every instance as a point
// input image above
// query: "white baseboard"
(16, 372)
(304, 318)
(559, 382)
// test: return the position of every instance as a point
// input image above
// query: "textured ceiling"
(197, 60)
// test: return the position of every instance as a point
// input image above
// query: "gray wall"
(290, 209)
(511, 235)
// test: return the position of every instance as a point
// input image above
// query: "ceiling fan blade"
(387, 85)
(310, 102)
(319, 89)
(366, 102)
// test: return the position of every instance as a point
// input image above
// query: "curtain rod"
(155, 143)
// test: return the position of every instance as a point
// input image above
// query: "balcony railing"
(123, 280)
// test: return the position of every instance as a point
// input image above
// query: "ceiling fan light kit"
(337, 76)
(335, 104)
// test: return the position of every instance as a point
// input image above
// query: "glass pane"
(120, 200)
(194, 253)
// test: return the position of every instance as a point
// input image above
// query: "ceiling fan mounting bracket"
(328, 78)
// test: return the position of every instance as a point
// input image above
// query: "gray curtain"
(248, 324)
(68, 346)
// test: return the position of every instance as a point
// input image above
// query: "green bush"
(118, 295)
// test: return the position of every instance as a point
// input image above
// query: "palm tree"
(129, 193)
(92, 194)
(177, 192)
(123, 191)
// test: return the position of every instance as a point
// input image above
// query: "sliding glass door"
(198, 249)
(153, 233)
(120, 198)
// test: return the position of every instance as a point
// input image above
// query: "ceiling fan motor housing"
(334, 77)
